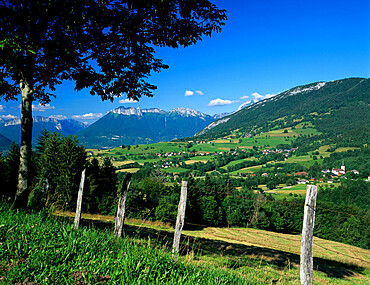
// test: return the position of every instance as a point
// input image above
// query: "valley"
(228, 155)
(247, 175)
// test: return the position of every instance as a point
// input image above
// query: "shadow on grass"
(243, 255)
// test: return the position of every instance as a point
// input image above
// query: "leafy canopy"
(106, 46)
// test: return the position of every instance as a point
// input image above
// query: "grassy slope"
(44, 250)
(255, 254)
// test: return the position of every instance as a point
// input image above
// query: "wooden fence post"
(306, 268)
(179, 221)
(79, 200)
(122, 206)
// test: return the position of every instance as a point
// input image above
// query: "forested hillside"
(338, 109)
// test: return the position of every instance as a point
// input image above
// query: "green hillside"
(338, 109)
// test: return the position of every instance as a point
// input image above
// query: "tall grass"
(37, 248)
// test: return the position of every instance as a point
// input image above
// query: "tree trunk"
(22, 193)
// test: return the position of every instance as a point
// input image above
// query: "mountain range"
(128, 126)
(338, 110)
(11, 129)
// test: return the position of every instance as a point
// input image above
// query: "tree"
(59, 161)
(106, 46)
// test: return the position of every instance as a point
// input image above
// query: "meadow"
(255, 256)
(35, 247)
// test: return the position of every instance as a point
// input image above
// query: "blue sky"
(265, 48)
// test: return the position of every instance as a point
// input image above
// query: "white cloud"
(199, 92)
(58, 117)
(2, 108)
(254, 98)
(8, 117)
(260, 97)
(189, 93)
(40, 108)
(245, 104)
(257, 96)
(88, 116)
(220, 102)
(124, 101)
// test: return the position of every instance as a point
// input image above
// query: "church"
(339, 171)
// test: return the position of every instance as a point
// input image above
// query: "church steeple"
(343, 167)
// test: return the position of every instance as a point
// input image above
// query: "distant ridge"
(128, 126)
(12, 128)
(4, 143)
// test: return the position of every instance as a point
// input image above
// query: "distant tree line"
(223, 201)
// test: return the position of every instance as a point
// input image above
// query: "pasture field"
(268, 140)
(256, 256)
(192, 161)
(202, 158)
(238, 161)
(251, 169)
(129, 170)
(120, 163)
(175, 170)
(150, 160)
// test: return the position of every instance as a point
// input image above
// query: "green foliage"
(100, 187)
(166, 210)
(59, 163)
(240, 207)
(343, 223)
(355, 193)
(45, 250)
(10, 166)
(358, 159)
(95, 43)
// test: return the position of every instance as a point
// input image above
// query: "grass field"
(251, 169)
(120, 163)
(238, 161)
(175, 170)
(258, 256)
(130, 170)
(37, 249)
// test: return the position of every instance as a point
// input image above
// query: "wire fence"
(201, 248)
(150, 214)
